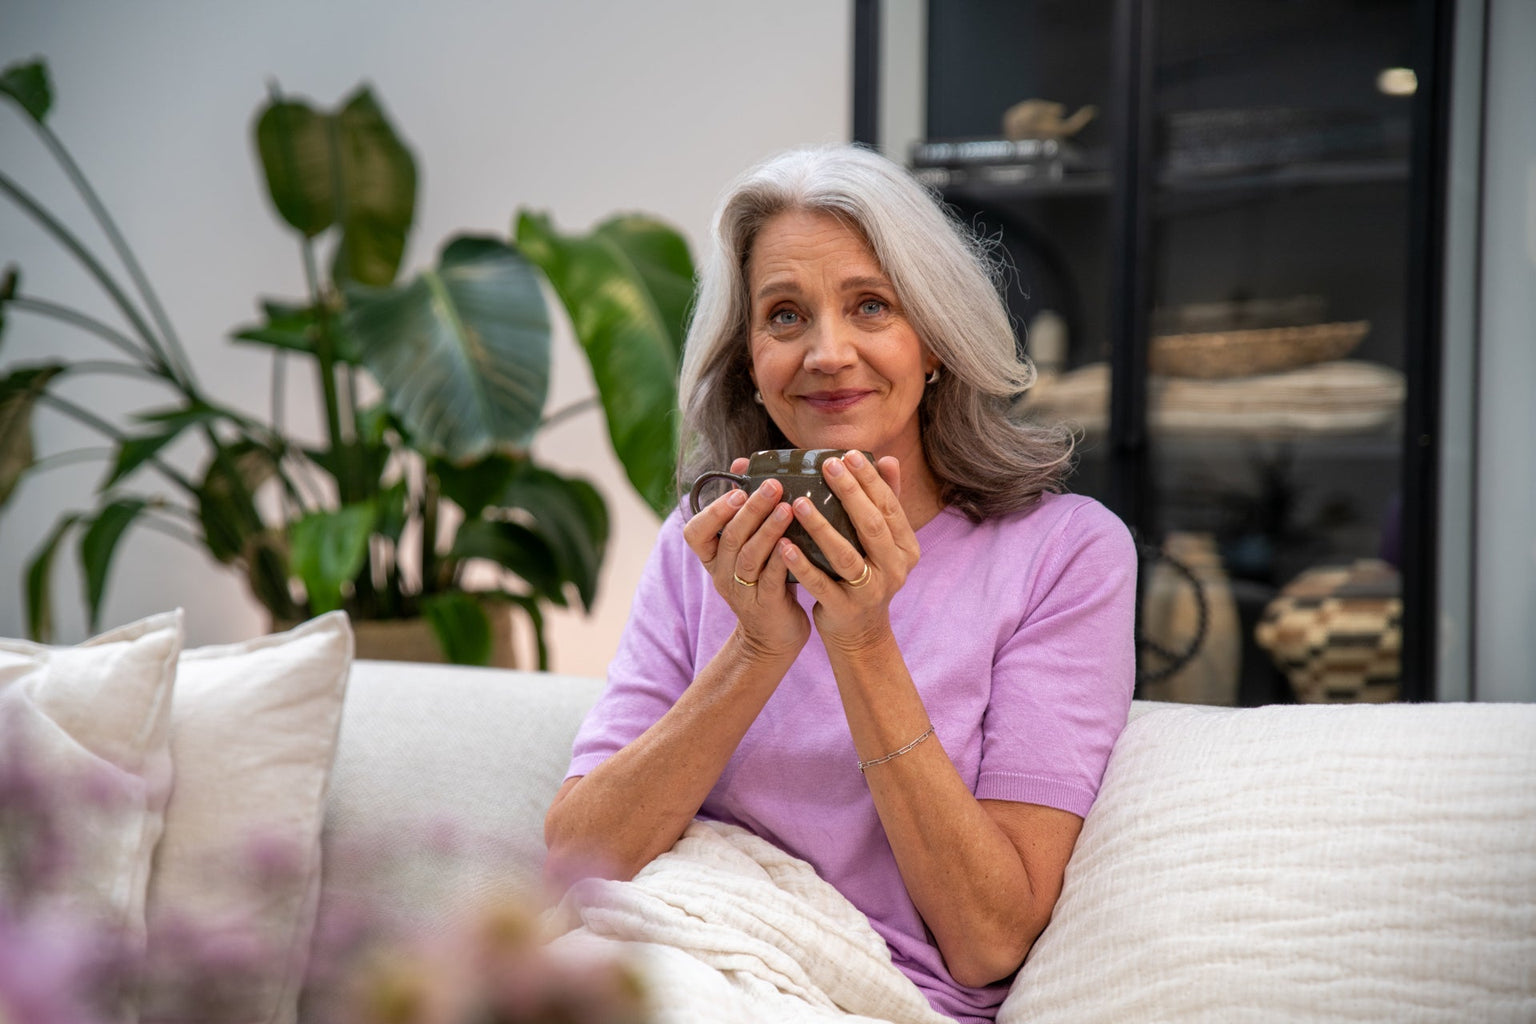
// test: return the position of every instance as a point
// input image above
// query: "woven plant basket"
(1245, 353)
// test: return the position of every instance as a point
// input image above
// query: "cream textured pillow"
(237, 874)
(1339, 863)
(93, 721)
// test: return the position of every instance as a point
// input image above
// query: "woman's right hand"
(736, 538)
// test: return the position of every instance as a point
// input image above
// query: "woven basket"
(1336, 632)
(1245, 353)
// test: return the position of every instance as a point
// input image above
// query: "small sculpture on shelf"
(1042, 119)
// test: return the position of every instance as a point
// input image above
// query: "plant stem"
(90, 419)
(325, 355)
(575, 408)
(171, 529)
(72, 456)
(123, 369)
(73, 245)
(42, 307)
(120, 245)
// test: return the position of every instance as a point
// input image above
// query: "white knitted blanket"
(727, 928)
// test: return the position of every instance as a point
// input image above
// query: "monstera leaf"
(348, 169)
(627, 286)
(462, 352)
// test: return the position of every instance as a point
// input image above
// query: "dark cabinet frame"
(1133, 28)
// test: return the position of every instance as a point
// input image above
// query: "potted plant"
(433, 390)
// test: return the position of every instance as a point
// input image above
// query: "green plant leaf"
(40, 582)
(536, 619)
(378, 178)
(349, 169)
(394, 515)
(99, 544)
(27, 84)
(297, 329)
(18, 400)
(133, 452)
(293, 141)
(474, 486)
(328, 550)
(626, 286)
(462, 352)
(8, 292)
(570, 515)
(461, 626)
(522, 551)
(228, 520)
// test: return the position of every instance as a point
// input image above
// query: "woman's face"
(836, 361)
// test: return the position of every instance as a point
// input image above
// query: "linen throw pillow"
(84, 729)
(236, 878)
(1301, 863)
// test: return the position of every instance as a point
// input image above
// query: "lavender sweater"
(1018, 634)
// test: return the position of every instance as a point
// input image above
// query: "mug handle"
(715, 474)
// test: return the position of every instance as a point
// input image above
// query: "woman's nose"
(829, 347)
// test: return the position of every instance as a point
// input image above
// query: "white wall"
(581, 107)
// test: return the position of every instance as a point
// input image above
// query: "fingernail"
(804, 506)
(788, 551)
(855, 459)
(834, 467)
(780, 513)
(736, 498)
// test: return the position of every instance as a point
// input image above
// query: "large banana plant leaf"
(347, 168)
(626, 286)
(462, 352)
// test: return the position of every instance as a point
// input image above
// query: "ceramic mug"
(799, 471)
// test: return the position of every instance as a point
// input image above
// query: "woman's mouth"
(834, 401)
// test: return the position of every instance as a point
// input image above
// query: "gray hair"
(988, 461)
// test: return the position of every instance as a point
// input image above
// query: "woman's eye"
(872, 307)
(784, 317)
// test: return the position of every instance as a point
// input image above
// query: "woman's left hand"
(849, 613)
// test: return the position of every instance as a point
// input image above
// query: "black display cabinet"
(1222, 223)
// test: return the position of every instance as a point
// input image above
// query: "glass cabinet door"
(1209, 212)
(1278, 263)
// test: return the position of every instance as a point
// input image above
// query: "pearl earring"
(757, 396)
(933, 378)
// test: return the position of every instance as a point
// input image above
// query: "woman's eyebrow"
(783, 286)
(866, 282)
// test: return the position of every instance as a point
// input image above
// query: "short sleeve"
(655, 659)
(1062, 684)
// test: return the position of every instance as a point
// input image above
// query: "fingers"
(870, 494)
(734, 535)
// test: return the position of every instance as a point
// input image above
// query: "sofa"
(1286, 863)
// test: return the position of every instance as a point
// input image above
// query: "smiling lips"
(834, 401)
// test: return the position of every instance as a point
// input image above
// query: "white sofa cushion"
(1294, 863)
(86, 730)
(236, 877)
(441, 781)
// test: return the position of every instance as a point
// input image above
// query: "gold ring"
(863, 577)
(745, 583)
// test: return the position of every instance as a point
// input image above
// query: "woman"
(928, 727)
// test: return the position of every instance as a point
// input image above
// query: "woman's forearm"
(983, 878)
(636, 804)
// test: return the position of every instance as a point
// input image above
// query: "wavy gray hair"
(988, 461)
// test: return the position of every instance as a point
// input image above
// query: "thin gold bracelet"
(895, 753)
